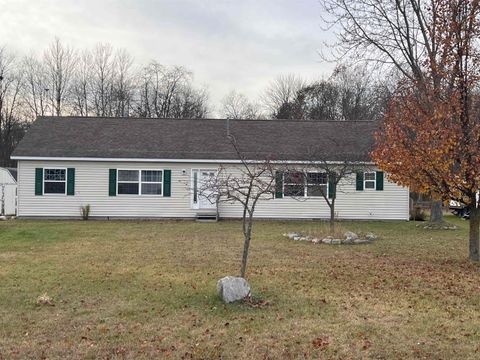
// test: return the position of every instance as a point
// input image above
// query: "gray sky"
(228, 44)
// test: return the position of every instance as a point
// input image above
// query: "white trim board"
(200, 161)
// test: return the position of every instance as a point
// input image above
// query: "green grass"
(147, 290)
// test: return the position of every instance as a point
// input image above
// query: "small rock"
(347, 241)
(232, 288)
(303, 238)
(316, 241)
(292, 235)
(327, 241)
(350, 235)
(371, 236)
(336, 242)
(296, 238)
(3, 218)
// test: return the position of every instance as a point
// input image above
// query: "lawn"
(147, 290)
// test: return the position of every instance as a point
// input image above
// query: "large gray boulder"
(232, 288)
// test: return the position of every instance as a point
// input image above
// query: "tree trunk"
(246, 245)
(247, 233)
(332, 217)
(474, 242)
(436, 215)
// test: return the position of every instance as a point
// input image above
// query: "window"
(54, 181)
(317, 184)
(294, 184)
(195, 187)
(144, 182)
(370, 180)
(309, 184)
(152, 182)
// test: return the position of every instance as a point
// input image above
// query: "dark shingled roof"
(95, 137)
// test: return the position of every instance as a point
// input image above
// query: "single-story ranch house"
(150, 168)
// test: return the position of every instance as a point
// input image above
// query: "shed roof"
(196, 139)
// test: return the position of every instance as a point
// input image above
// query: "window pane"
(369, 184)
(195, 187)
(370, 176)
(152, 175)
(294, 178)
(127, 175)
(294, 190)
(316, 190)
(152, 189)
(128, 188)
(54, 174)
(317, 178)
(54, 187)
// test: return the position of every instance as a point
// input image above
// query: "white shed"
(8, 191)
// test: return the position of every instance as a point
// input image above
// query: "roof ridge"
(204, 119)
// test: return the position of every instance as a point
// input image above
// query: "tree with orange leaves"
(430, 138)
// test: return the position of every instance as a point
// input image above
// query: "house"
(150, 168)
(8, 191)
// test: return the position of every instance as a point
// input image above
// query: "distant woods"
(103, 81)
(96, 82)
(349, 94)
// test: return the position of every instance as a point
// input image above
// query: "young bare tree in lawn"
(323, 176)
(397, 35)
(246, 184)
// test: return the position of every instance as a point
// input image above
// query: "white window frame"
(65, 181)
(140, 182)
(305, 185)
(365, 180)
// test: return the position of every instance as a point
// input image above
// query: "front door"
(203, 196)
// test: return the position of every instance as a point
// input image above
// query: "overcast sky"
(228, 44)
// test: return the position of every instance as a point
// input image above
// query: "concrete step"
(207, 217)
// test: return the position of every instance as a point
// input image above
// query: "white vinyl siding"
(92, 185)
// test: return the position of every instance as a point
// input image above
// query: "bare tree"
(237, 106)
(246, 185)
(123, 83)
(398, 34)
(319, 176)
(190, 103)
(60, 62)
(280, 94)
(35, 88)
(11, 126)
(102, 80)
(81, 87)
(167, 92)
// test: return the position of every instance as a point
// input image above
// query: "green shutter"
(167, 183)
(278, 185)
(379, 179)
(70, 181)
(359, 181)
(39, 181)
(331, 186)
(112, 182)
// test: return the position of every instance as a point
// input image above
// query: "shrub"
(85, 211)
(417, 214)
